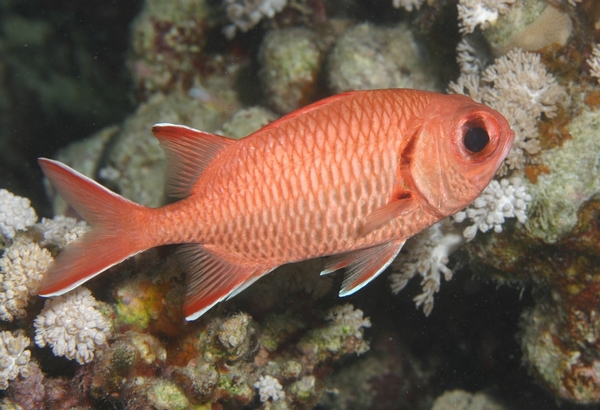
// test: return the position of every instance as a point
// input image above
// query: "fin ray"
(394, 209)
(113, 237)
(362, 265)
(212, 278)
(188, 152)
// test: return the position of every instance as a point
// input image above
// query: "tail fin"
(113, 237)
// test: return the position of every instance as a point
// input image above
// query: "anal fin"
(363, 265)
(212, 278)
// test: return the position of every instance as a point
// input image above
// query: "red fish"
(350, 177)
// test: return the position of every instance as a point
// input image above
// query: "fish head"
(457, 151)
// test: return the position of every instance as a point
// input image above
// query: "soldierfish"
(350, 177)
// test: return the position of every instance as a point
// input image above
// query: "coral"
(462, 400)
(269, 388)
(235, 334)
(500, 200)
(304, 389)
(520, 79)
(408, 5)
(557, 347)
(61, 230)
(245, 14)
(290, 59)
(468, 61)
(529, 25)
(14, 358)
(344, 335)
(72, 325)
(29, 392)
(21, 269)
(594, 62)
(247, 120)
(473, 13)
(167, 45)
(16, 214)
(427, 255)
(150, 302)
(165, 395)
(575, 178)
(368, 57)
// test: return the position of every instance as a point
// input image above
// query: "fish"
(349, 178)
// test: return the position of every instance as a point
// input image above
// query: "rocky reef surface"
(517, 325)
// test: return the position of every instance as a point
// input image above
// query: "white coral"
(466, 57)
(21, 271)
(473, 13)
(16, 213)
(72, 325)
(594, 62)
(427, 255)
(519, 86)
(269, 388)
(245, 14)
(349, 317)
(520, 79)
(408, 5)
(14, 359)
(61, 230)
(500, 200)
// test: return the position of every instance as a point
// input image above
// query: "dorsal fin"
(188, 152)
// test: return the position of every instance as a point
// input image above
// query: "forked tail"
(114, 237)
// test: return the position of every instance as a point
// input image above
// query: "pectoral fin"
(400, 205)
(362, 265)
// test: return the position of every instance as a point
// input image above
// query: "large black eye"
(476, 139)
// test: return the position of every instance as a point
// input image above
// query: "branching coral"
(466, 57)
(246, 14)
(473, 13)
(16, 213)
(61, 230)
(21, 269)
(427, 255)
(408, 5)
(594, 62)
(13, 357)
(350, 318)
(269, 388)
(72, 325)
(500, 200)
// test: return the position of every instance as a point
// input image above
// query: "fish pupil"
(476, 139)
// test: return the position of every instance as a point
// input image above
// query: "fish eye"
(476, 139)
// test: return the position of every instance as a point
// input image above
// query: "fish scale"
(350, 177)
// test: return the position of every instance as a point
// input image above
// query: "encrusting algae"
(283, 343)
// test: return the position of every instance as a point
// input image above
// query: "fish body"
(350, 177)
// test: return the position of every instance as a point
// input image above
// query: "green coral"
(165, 395)
(557, 196)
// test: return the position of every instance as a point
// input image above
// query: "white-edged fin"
(362, 265)
(188, 152)
(115, 235)
(212, 279)
(399, 206)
